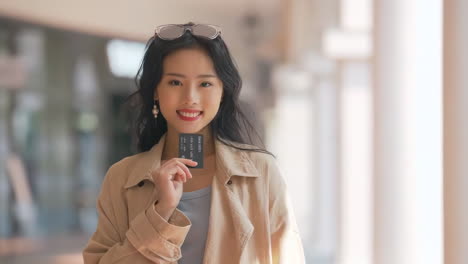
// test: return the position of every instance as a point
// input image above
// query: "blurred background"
(364, 103)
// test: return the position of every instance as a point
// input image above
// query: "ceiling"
(134, 20)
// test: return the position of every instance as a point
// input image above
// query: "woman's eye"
(206, 84)
(174, 82)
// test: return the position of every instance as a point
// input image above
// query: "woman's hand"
(169, 180)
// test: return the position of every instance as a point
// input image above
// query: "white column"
(350, 45)
(407, 136)
(326, 207)
(355, 164)
(456, 131)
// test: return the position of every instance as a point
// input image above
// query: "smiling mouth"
(189, 116)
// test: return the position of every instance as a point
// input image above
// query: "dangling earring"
(155, 110)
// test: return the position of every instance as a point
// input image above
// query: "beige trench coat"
(251, 219)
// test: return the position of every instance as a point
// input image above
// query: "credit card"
(191, 147)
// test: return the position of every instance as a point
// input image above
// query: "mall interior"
(363, 103)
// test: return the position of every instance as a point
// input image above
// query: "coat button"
(229, 182)
(140, 184)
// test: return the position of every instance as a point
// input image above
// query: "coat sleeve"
(285, 239)
(149, 238)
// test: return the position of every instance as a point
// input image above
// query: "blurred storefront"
(61, 126)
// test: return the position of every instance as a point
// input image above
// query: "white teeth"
(189, 114)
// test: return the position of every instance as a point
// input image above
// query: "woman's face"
(189, 92)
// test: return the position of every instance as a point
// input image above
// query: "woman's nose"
(191, 94)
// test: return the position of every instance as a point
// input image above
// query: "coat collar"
(232, 161)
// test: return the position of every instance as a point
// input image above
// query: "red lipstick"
(190, 117)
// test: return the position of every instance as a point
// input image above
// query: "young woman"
(153, 207)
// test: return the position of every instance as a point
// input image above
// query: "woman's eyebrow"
(199, 76)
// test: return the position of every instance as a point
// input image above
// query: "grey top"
(196, 206)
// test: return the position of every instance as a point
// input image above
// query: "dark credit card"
(191, 147)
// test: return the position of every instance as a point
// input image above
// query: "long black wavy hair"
(230, 123)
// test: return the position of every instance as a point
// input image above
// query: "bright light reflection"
(125, 57)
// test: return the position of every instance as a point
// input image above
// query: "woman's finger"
(186, 170)
(175, 173)
(185, 161)
(188, 162)
(181, 174)
(178, 166)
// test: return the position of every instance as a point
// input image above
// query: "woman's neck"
(171, 146)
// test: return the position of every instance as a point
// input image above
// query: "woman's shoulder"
(252, 151)
(129, 161)
(260, 158)
(268, 169)
(263, 160)
(119, 172)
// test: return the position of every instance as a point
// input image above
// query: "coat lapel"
(229, 223)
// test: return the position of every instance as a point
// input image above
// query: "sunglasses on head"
(174, 31)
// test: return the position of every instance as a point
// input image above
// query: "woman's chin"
(188, 128)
